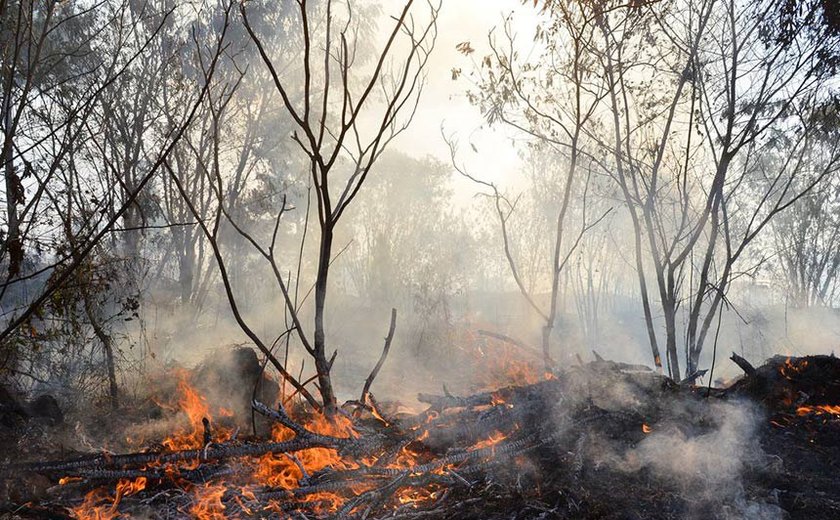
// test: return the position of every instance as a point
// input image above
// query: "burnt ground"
(603, 440)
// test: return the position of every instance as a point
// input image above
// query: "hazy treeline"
(182, 175)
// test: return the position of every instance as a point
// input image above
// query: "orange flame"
(792, 367)
(819, 409)
(207, 504)
(280, 470)
(195, 407)
(95, 506)
(416, 496)
(494, 439)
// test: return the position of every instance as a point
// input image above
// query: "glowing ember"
(791, 367)
(646, 428)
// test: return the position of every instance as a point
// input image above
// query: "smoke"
(704, 451)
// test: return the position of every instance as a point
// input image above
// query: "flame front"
(243, 493)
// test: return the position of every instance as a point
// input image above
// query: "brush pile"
(601, 440)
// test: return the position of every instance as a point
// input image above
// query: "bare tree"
(678, 104)
(511, 92)
(332, 113)
(724, 98)
(807, 236)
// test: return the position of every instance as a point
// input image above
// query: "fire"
(127, 487)
(416, 496)
(96, 507)
(494, 439)
(195, 407)
(326, 502)
(407, 458)
(819, 409)
(792, 367)
(207, 504)
(646, 428)
(222, 499)
(283, 471)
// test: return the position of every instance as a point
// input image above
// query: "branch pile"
(572, 446)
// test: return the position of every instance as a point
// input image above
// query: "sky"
(444, 101)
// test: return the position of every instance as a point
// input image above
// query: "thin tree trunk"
(107, 348)
(14, 243)
(322, 365)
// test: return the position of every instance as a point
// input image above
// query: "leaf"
(465, 48)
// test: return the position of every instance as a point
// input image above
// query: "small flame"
(646, 428)
(819, 409)
(96, 507)
(416, 496)
(207, 504)
(195, 407)
(494, 439)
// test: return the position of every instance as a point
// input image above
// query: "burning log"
(209, 454)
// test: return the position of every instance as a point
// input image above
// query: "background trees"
(681, 109)
(163, 161)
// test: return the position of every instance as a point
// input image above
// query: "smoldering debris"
(632, 445)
